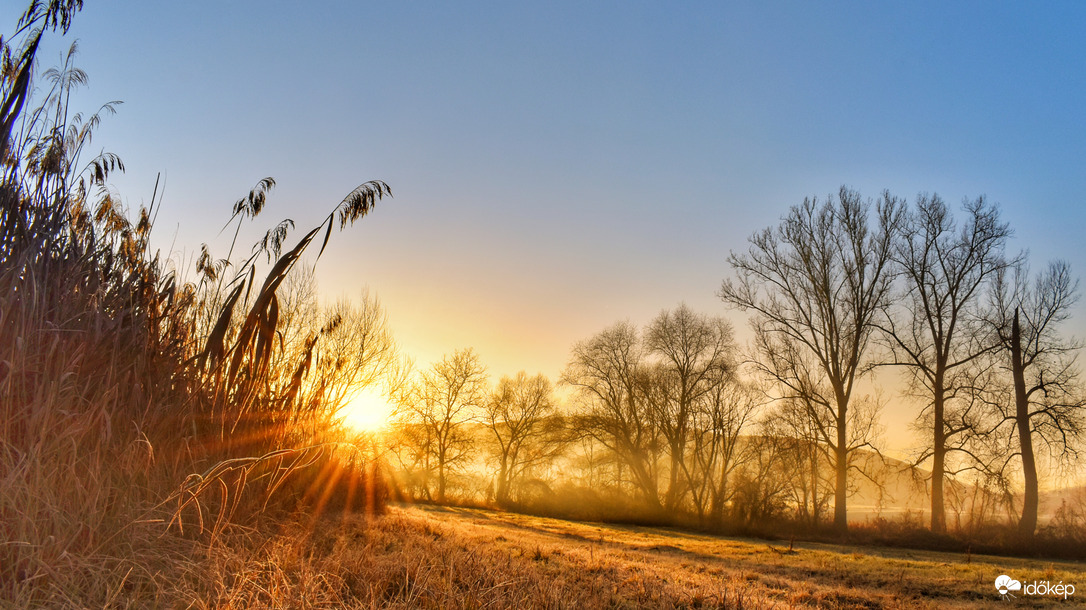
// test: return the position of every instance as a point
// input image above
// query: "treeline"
(845, 285)
(665, 425)
(677, 419)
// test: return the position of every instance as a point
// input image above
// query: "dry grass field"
(438, 557)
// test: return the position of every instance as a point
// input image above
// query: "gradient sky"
(561, 167)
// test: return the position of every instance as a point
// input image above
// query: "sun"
(367, 410)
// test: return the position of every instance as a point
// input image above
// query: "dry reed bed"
(121, 379)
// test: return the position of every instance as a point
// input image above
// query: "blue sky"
(563, 166)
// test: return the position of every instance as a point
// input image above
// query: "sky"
(562, 166)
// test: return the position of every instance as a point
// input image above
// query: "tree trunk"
(671, 501)
(840, 493)
(938, 466)
(426, 479)
(719, 491)
(813, 515)
(938, 510)
(502, 495)
(441, 482)
(1028, 524)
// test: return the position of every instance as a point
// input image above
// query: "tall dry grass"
(143, 414)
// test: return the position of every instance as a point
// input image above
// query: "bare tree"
(943, 338)
(412, 444)
(594, 465)
(362, 351)
(516, 415)
(1048, 400)
(807, 461)
(719, 420)
(816, 284)
(437, 408)
(607, 372)
(696, 353)
(761, 486)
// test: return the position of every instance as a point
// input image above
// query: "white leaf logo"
(1005, 584)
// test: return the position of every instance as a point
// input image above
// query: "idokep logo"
(1007, 585)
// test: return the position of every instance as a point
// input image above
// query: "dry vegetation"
(431, 557)
(142, 413)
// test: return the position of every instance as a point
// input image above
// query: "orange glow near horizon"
(367, 411)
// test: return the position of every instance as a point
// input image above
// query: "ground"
(435, 557)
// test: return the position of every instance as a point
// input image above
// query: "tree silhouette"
(942, 337)
(816, 284)
(439, 405)
(607, 371)
(696, 357)
(516, 415)
(1048, 400)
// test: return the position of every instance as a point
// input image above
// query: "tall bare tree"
(516, 415)
(1048, 403)
(942, 336)
(696, 357)
(437, 408)
(816, 284)
(607, 372)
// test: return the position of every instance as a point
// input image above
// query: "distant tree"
(939, 333)
(608, 373)
(359, 354)
(761, 485)
(411, 445)
(717, 451)
(593, 465)
(696, 354)
(801, 422)
(299, 309)
(816, 284)
(808, 463)
(1049, 401)
(437, 407)
(516, 415)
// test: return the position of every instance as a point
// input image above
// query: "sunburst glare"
(367, 410)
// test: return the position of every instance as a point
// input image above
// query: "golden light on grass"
(367, 411)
